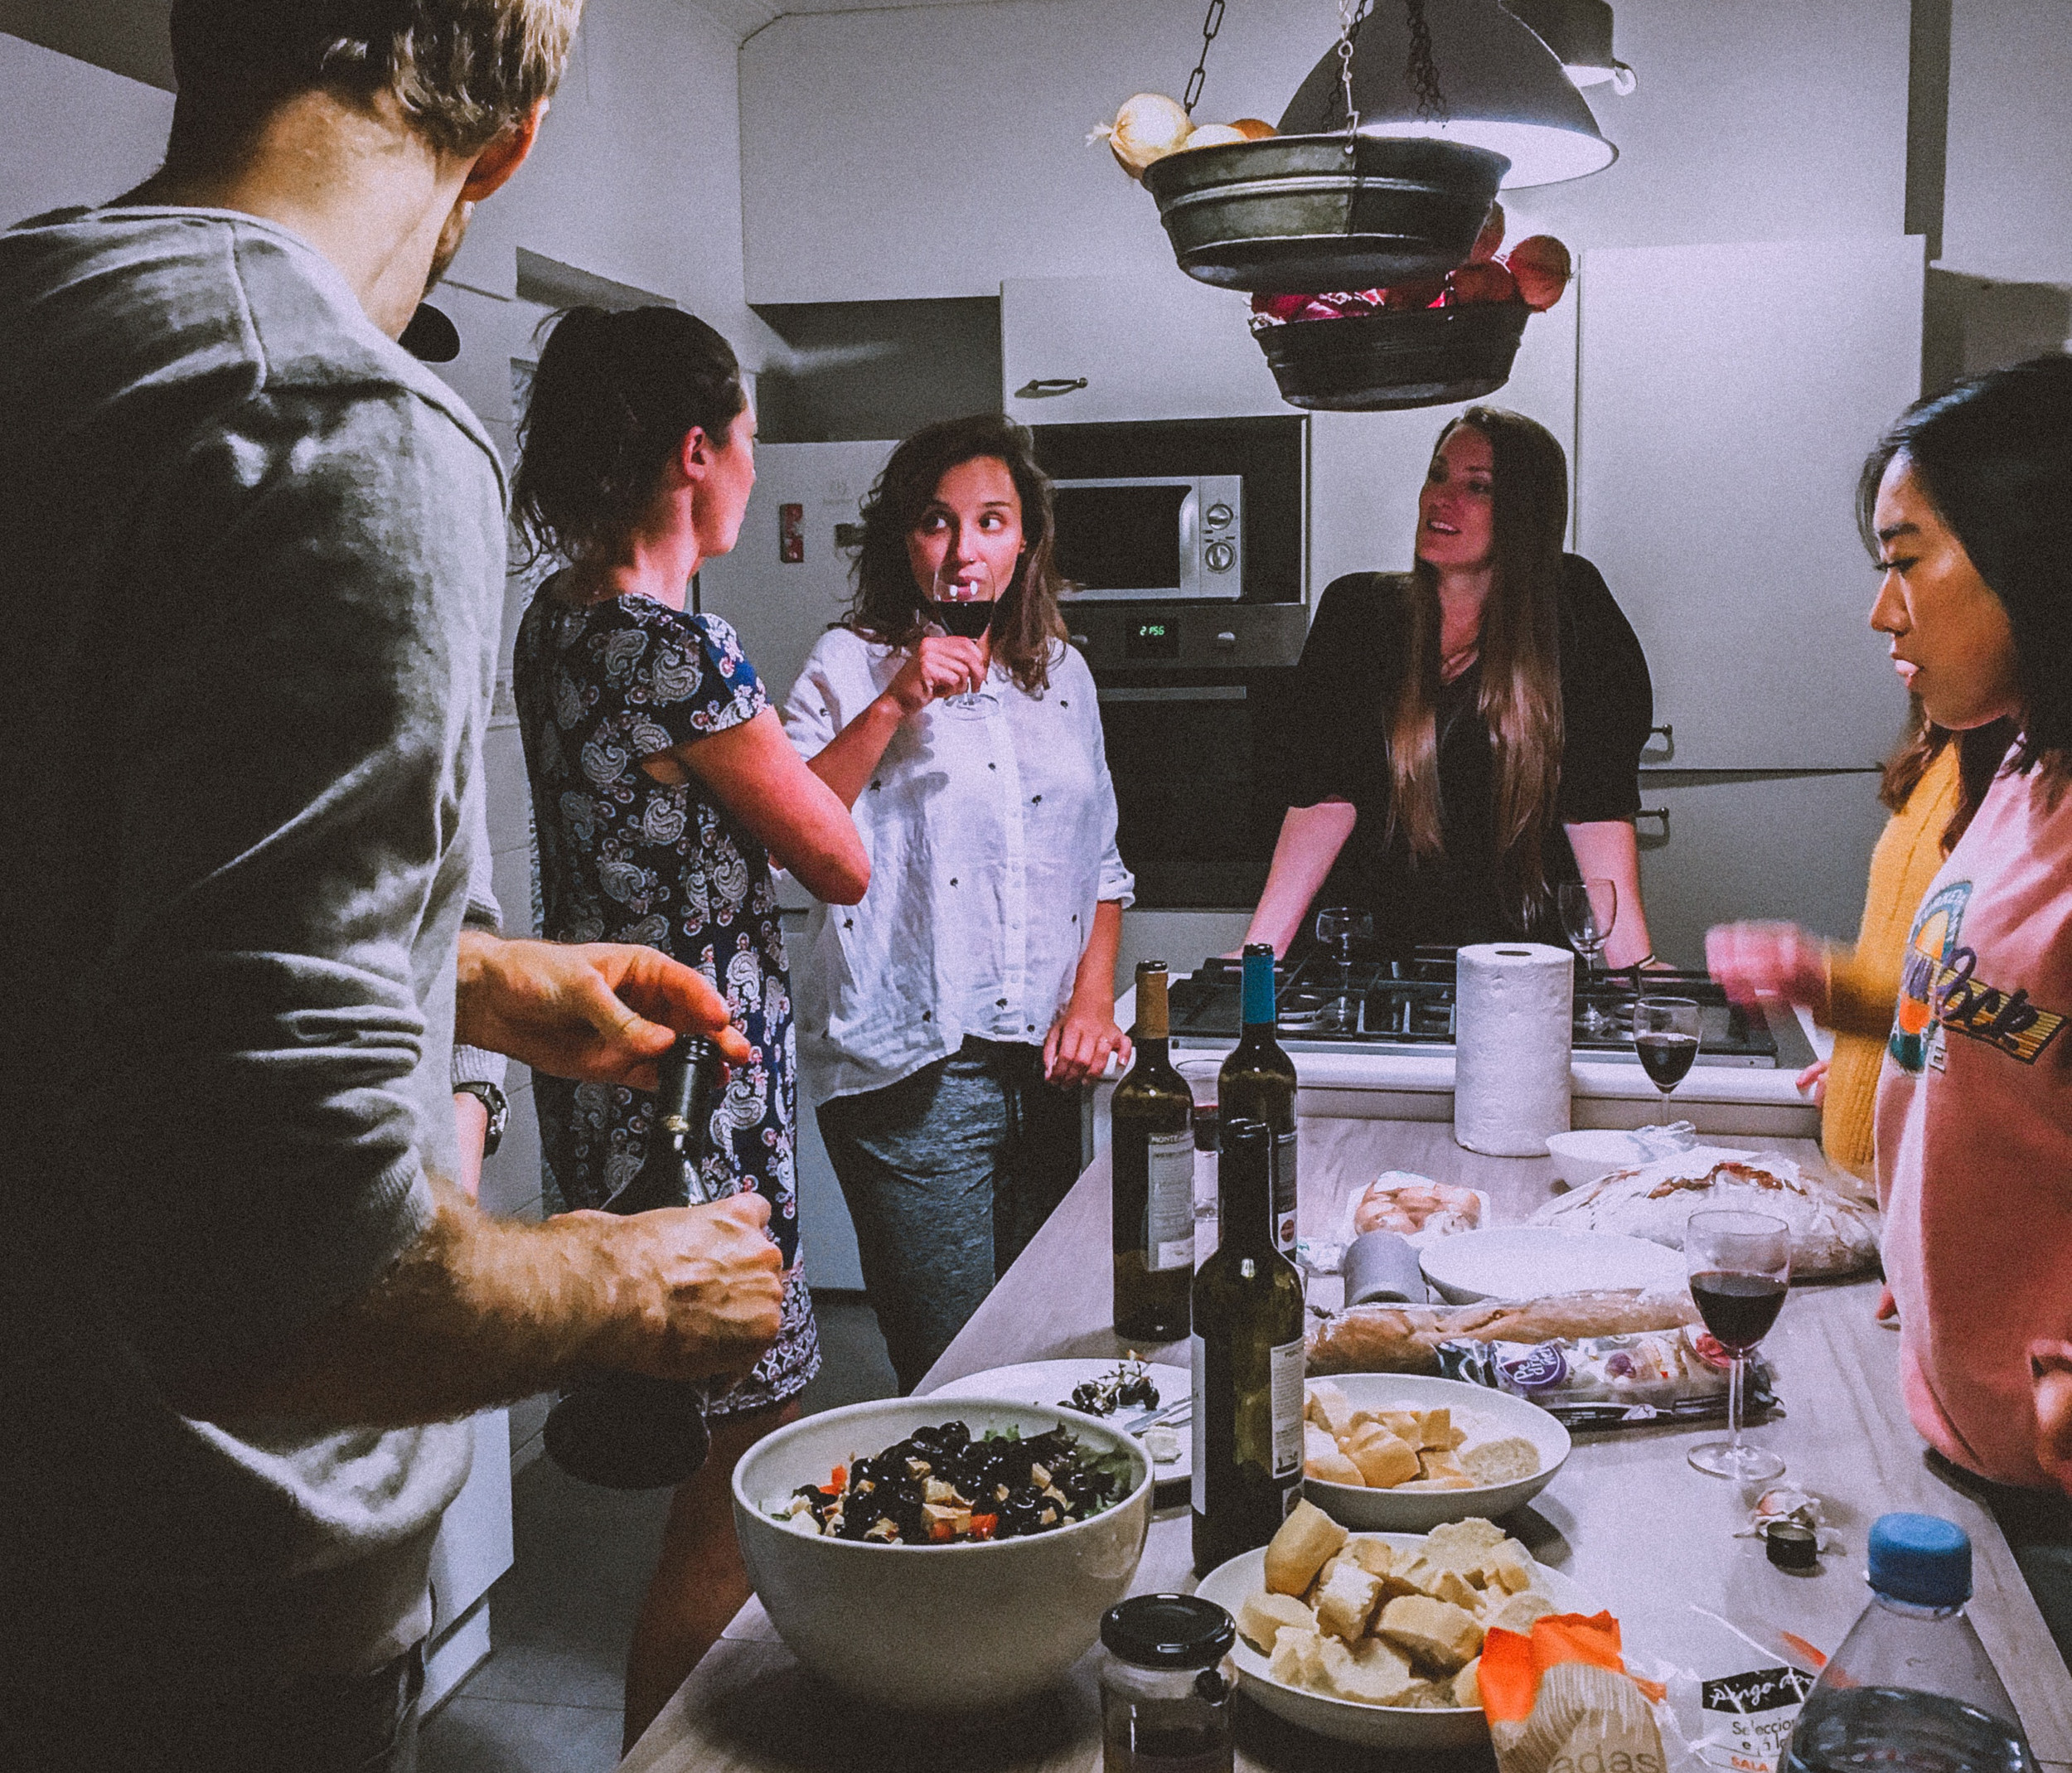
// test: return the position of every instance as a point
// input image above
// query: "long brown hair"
(1520, 699)
(1980, 753)
(887, 605)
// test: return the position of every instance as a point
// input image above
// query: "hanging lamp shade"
(1578, 32)
(1504, 90)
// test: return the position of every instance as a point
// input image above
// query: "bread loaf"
(1405, 1338)
(1831, 1233)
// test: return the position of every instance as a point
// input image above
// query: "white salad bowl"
(934, 1628)
(1421, 1510)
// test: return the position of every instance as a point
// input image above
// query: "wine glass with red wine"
(1741, 1270)
(963, 601)
(1665, 1035)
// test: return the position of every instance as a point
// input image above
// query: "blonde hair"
(1520, 699)
(462, 71)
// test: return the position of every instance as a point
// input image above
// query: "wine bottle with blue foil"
(1152, 1166)
(1248, 1361)
(1258, 1083)
(628, 1431)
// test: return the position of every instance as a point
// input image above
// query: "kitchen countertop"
(1626, 1517)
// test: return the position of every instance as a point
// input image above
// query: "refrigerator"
(786, 580)
(1727, 398)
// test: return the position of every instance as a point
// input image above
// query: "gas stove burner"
(1407, 1005)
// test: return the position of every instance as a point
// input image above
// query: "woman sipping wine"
(946, 1021)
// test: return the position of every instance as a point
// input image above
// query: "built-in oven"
(1191, 680)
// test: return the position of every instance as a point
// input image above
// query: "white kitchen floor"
(548, 1700)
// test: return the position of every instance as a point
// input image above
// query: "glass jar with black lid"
(1165, 1685)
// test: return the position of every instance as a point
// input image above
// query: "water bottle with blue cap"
(1912, 1686)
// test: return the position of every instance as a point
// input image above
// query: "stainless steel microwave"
(1152, 537)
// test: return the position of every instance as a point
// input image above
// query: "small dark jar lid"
(1168, 1631)
(1792, 1546)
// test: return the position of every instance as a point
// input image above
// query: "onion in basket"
(1149, 127)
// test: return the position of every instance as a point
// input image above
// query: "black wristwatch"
(492, 1099)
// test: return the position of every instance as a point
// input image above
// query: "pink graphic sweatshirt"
(1974, 1132)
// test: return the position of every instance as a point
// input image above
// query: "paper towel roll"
(1513, 1002)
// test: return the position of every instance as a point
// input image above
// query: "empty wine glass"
(1589, 909)
(1665, 1035)
(1338, 928)
(1740, 1265)
(963, 600)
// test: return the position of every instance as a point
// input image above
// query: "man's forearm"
(478, 1311)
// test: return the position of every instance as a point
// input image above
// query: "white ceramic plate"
(1529, 1262)
(1230, 1585)
(1051, 1383)
(1417, 1510)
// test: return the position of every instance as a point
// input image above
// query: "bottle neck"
(1916, 1609)
(1256, 1010)
(1244, 1190)
(1154, 1052)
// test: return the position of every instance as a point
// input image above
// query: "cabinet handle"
(1043, 387)
(1668, 750)
(1657, 813)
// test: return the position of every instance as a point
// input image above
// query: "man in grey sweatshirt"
(252, 557)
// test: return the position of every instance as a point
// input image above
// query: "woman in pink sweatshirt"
(1969, 503)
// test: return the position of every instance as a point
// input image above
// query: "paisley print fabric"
(623, 858)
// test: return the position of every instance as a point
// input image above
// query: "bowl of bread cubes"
(1400, 1453)
(1376, 1639)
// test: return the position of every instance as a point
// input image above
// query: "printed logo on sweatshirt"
(1940, 992)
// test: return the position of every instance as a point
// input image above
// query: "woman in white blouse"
(946, 1022)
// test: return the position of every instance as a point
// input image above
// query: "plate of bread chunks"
(1376, 1638)
(1403, 1453)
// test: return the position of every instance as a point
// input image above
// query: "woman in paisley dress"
(662, 788)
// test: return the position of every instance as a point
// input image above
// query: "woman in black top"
(1464, 737)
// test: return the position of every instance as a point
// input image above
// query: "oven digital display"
(1154, 640)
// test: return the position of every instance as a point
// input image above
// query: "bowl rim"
(1359, 1705)
(869, 1408)
(1542, 1477)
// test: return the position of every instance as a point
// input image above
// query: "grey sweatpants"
(948, 1174)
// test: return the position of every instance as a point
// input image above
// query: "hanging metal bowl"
(1420, 357)
(1296, 214)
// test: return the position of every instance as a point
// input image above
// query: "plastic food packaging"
(1611, 1381)
(1562, 1699)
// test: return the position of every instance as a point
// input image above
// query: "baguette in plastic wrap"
(1405, 1338)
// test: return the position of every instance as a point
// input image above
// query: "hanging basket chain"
(1352, 15)
(1210, 26)
(1422, 75)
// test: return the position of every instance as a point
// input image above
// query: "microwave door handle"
(1190, 584)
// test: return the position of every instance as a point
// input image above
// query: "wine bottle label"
(1283, 1193)
(1168, 1206)
(1287, 1367)
(1198, 1436)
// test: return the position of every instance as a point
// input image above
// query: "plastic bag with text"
(1732, 1709)
(1560, 1699)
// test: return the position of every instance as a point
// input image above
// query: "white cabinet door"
(1728, 396)
(1154, 346)
(1718, 849)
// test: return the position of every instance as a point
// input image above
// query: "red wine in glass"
(1666, 1057)
(1738, 1309)
(968, 620)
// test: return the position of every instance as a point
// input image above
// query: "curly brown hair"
(888, 604)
